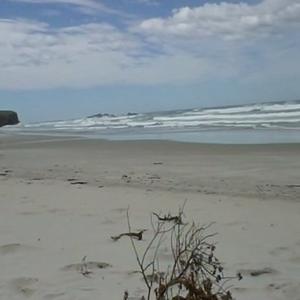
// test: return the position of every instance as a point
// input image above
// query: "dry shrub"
(195, 273)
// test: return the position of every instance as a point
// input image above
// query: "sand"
(61, 199)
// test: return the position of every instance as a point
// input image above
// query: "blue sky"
(70, 58)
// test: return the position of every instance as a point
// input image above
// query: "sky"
(62, 59)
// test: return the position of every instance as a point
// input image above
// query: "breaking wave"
(280, 115)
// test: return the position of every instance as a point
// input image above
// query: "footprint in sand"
(288, 290)
(107, 221)
(292, 291)
(279, 250)
(240, 289)
(295, 259)
(89, 265)
(53, 296)
(14, 248)
(120, 210)
(29, 213)
(24, 285)
(258, 272)
(55, 210)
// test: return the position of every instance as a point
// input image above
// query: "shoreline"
(224, 136)
(57, 137)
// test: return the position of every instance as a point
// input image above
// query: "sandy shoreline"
(62, 199)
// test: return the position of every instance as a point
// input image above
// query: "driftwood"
(126, 295)
(135, 235)
(84, 268)
(169, 218)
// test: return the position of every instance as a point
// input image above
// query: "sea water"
(247, 124)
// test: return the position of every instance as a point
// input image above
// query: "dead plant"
(194, 273)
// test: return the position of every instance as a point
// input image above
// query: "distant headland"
(8, 117)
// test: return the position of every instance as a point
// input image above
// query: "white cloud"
(85, 6)
(236, 42)
(33, 55)
(33, 43)
(228, 21)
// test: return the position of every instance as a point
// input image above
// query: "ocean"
(277, 122)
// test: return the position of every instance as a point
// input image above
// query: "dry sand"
(61, 199)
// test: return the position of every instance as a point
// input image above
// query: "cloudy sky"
(69, 58)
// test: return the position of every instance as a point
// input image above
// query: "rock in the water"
(8, 117)
(100, 115)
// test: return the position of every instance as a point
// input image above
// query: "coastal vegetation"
(193, 273)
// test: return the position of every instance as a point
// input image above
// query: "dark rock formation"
(102, 115)
(8, 118)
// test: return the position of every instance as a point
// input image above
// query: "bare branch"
(194, 274)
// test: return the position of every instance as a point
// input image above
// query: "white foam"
(283, 115)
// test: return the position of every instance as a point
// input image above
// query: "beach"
(61, 199)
